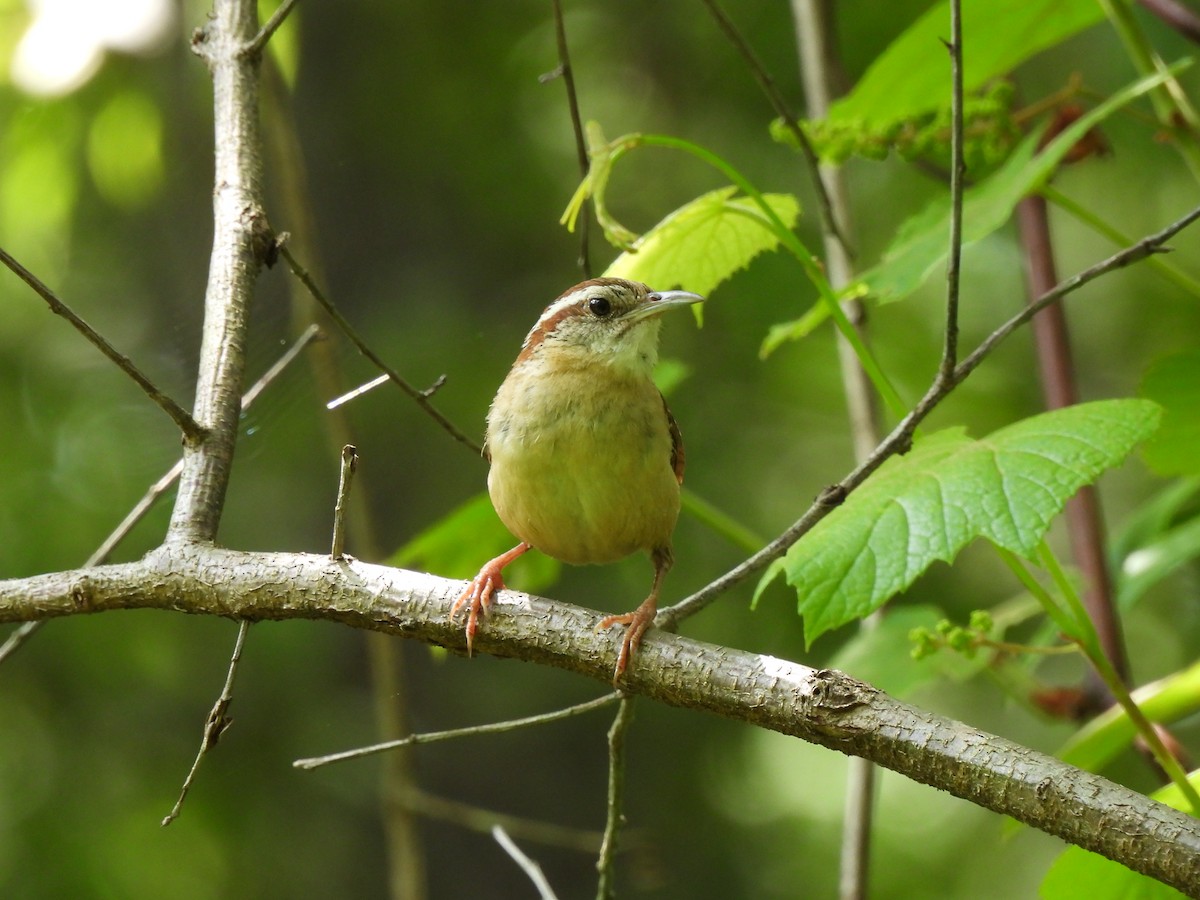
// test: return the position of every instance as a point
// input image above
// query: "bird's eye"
(600, 306)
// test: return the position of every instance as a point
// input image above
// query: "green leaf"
(1155, 516)
(1082, 873)
(921, 243)
(912, 76)
(1174, 383)
(1159, 538)
(1098, 742)
(920, 246)
(948, 490)
(467, 537)
(704, 242)
(1150, 564)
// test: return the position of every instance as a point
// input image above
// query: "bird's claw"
(477, 597)
(636, 624)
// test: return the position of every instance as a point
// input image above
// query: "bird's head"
(603, 321)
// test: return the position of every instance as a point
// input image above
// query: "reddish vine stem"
(1084, 520)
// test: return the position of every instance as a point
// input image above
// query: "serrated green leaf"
(912, 76)
(467, 537)
(704, 242)
(948, 490)
(1082, 873)
(1174, 383)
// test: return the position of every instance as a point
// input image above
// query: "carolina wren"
(586, 459)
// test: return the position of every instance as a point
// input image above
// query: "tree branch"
(242, 241)
(192, 431)
(901, 436)
(820, 706)
(818, 64)
(420, 397)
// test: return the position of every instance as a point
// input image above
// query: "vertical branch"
(1085, 524)
(606, 888)
(568, 77)
(241, 240)
(405, 852)
(957, 170)
(818, 68)
(818, 64)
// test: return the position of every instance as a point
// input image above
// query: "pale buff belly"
(586, 485)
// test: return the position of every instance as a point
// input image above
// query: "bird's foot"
(477, 595)
(635, 623)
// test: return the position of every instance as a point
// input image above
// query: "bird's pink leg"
(477, 595)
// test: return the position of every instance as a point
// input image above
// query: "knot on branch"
(262, 239)
(81, 593)
(834, 692)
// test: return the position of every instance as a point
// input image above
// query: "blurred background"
(434, 166)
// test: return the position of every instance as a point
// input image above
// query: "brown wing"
(677, 455)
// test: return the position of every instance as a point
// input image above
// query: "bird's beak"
(658, 302)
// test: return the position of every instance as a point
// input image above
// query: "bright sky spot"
(66, 39)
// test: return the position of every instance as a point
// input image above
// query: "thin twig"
(156, 490)
(901, 436)
(473, 818)
(606, 886)
(349, 466)
(528, 866)
(357, 392)
(418, 396)
(264, 34)
(564, 70)
(453, 733)
(215, 724)
(178, 414)
(829, 221)
(957, 171)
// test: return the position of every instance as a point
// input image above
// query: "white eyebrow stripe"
(558, 306)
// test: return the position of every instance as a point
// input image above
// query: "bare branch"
(957, 171)
(160, 487)
(528, 866)
(474, 818)
(241, 243)
(829, 220)
(901, 436)
(821, 706)
(567, 74)
(256, 45)
(818, 64)
(417, 395)
(178, 414)
(614, 819)
(214, 726)
(348, 468)
(454, 733)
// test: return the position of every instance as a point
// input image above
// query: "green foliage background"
(438, 166)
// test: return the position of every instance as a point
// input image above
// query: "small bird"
(586, 458)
